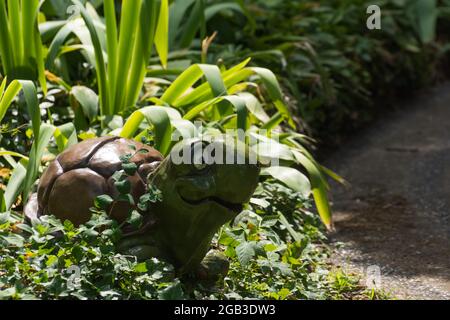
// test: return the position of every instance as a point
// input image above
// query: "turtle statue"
(198, 197)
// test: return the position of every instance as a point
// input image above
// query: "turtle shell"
(69, 186)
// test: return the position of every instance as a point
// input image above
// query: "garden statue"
(197, 197)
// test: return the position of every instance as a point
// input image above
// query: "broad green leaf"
(318, 188)
(236, 102)
(216, 84)
(195, 22)
(174, 94)
(15, 184)
(16, 29)
(254, 106)
(10, 93)
(14, 240)
(103, 202)
(142, 51)
(245, 252)
(11, 153)
(426, 14)
(162, 32)
(3, 87)
(178, 11)
(6, 48)
(65, 136)
(297, 236)
(100, 61)
(112, 45)
(293, 178)
(129, 23)
(37, 150)
(273, 88)
(88, 100)
(2, 202)
(173, 292)
(214, 81)
(160, 118)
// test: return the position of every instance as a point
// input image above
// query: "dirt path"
(396, 213)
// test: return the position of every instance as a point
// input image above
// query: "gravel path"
(396, 213)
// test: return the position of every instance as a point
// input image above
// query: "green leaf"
(293, 178)
(319, 188)
(426, 14)
(178, 11)
(103, 202)
(14, 240)
(8, 96)
(52, 260)
(162, 32)
(129, 23)
(273, 88)
(245, 252)
(99, 59)
(123, 186)
(135, 219)
(2, 87)
(160, 118)
(6, 53)
(129, 168)
(37, 150)
(141, 267)
(2, 203)
(65, 136)
(173, 292)
(195, 21)
(88, 100)
(15, 184)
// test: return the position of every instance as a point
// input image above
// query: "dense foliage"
(148, 70)
(337, 72)
(273, 256)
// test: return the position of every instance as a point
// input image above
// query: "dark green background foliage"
(338, 73)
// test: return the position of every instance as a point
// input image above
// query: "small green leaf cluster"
(55, 260)
(123, 186)
(278, 250)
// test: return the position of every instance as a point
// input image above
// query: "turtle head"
(204, 184)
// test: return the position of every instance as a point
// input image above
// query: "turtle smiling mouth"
(234, 207)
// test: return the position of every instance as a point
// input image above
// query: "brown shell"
(69, 186)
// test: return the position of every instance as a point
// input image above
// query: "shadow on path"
(396, 214)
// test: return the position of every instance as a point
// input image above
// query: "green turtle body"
(197, 198)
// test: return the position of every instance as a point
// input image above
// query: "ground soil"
(395, 214)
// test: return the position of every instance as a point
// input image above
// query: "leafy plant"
(27, 169)
(335, 72)
(275, 247)
(36, 264)
(223, 99)
(21, 51)
(127, 47)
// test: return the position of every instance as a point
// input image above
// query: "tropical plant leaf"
(88, 100)
(245, 252)
(159, 118)
(162, 31)
(291, 177)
